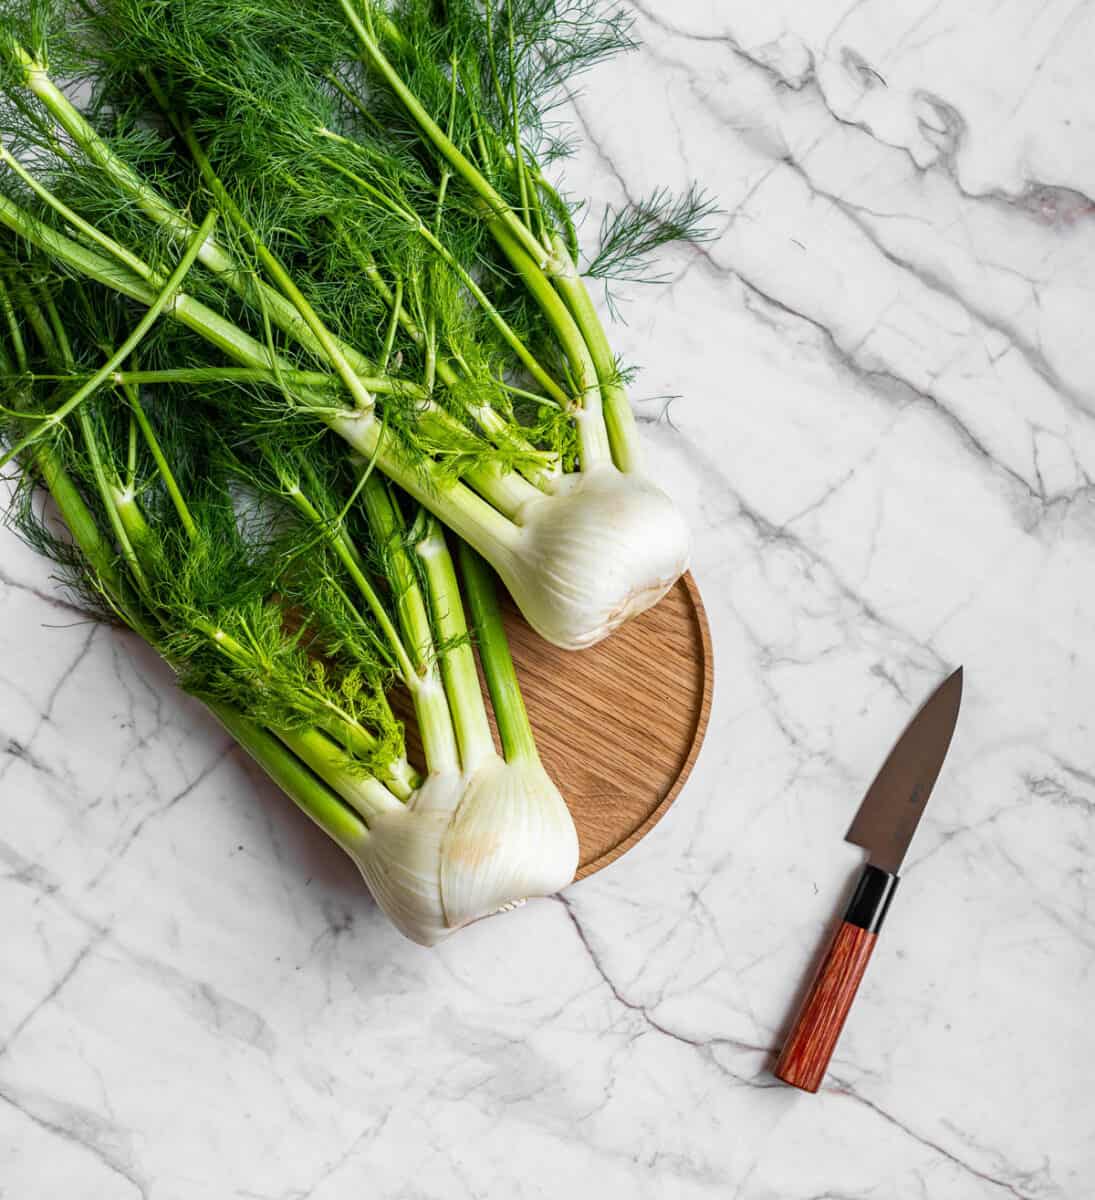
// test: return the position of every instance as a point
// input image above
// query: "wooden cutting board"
(619, 725)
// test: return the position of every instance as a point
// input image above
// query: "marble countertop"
(874, 395)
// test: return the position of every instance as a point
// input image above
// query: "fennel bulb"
(464, 847)
(602, 549)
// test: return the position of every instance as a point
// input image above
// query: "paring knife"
(884, 827)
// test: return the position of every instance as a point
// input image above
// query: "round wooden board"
(619, 726)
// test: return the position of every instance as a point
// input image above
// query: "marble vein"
(88, 948)
(162, 810)
(83, 1131)
(997, 1181)
(651, 1022)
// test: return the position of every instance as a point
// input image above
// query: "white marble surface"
(885, 440)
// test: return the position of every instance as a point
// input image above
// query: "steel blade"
(894, 803)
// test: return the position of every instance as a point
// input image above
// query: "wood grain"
(619, 725)
(806, 1053)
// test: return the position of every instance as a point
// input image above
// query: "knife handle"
(806, 1053)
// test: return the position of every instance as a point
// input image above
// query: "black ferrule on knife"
(871, 900)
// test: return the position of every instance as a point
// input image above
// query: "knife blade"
(884, 826)
(895, 802)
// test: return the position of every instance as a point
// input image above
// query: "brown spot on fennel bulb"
(603, 548)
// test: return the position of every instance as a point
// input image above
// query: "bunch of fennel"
(392, 260)
(288, 609)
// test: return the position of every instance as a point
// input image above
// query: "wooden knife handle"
(806, 1053)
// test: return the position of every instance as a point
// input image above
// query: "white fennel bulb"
(465, 847)
(603, 548)
(511, 837)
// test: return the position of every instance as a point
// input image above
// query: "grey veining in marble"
(874, 395)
